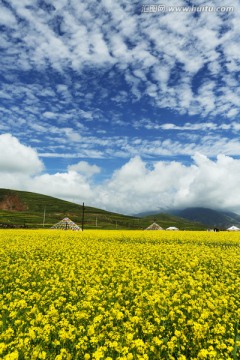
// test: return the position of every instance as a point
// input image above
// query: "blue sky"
(127, 111)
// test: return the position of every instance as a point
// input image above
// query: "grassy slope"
(57, 209)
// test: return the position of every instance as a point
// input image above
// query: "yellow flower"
(129, 356)
(2, 347)
(12, 356)
(142, 295)
(203, 354)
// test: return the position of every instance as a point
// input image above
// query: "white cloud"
(208, 183)
(16, 158)
(150, 48)
(69, 186)
(189, 126)
(132, 188)
(7, 18)
(49, 115)
(85, 169)
(71, 134)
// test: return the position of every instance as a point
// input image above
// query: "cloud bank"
(134, 187)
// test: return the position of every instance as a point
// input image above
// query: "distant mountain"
(148, 213)
(167, 220)
(209, 217)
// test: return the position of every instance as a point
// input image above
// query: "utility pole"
(44, 216)
(83, 208)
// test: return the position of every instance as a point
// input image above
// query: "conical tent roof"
(66, 224)
(154, 226)
(233, 228)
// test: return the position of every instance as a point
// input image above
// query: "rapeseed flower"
(114, 295)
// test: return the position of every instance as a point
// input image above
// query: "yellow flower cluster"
(124, 295)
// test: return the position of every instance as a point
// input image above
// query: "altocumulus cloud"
(150, 48)
(134, 187)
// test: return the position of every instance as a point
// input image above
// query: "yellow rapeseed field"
(119, 295)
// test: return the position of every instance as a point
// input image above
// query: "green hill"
(27, 209)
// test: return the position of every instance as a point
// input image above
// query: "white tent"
(66, 224)
(154, 226)
(233, 228)
(172, 228)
